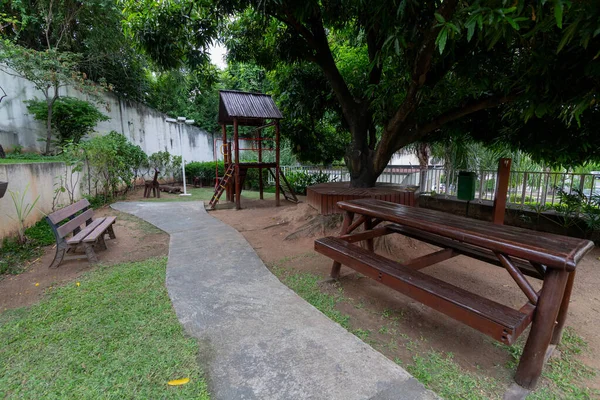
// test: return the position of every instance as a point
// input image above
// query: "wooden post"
(225, 162)
(562, 313)
(260, 176)
(501, 191)
(277, 163)
(544, 320)
(238, 187)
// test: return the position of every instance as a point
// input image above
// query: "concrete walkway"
(258, 339)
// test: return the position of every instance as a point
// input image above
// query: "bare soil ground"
(284, 237)
(136, 240)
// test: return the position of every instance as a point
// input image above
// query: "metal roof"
(248, 108)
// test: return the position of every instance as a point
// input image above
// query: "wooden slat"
(430, 259)
(93, 236)
(554, 251)
(494, 319)
(74, 223)
(463, 248)
(76, 239)
(66, 212)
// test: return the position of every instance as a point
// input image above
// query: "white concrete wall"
(41, 178)
(140, 124)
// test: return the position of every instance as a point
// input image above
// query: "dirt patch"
(396, 325)
(136, 240)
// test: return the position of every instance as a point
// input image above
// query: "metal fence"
(532, 187)
(525, 187)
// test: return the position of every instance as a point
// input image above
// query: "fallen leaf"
(37, 284)
(179, 382)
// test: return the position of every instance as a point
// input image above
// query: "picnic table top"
(554, 251)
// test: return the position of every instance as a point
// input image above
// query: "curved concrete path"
(258, 338)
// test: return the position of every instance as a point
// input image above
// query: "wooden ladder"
(221, 186)
(284, 186)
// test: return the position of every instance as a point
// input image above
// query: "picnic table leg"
(336, 267)
(368, 225)
(562, 313)
(544, 319)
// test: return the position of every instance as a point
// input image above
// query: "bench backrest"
(69, 213)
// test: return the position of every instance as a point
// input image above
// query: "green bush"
(113, 163)
(300, 180)
(71, 118)
(14, 255)
(204, 170)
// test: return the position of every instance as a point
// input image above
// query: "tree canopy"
(394, 72)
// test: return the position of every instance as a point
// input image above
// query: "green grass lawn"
(206, 193)
(113, 335)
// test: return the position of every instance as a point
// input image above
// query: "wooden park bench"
(74, 227)
(551, 258)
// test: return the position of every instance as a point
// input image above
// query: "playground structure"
(248, 109)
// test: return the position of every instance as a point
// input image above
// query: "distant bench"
(74, 226)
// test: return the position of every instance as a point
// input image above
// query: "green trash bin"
(466, 185)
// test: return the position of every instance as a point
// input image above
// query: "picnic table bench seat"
(74, 227)
(494, 319)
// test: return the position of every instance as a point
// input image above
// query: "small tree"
(48, 71)
(72, 118)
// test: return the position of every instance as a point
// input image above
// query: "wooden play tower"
(255, 110)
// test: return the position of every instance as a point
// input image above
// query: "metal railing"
(528, 187)
(525, 187)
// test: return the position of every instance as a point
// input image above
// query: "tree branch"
(466, 109)
(421, 67)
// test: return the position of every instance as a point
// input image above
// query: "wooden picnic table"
(551, 258)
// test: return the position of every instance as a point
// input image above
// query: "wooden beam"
(430, 259)
(238, 186)
(357, 237)
(517, 275)
(501, 190)
(277, 173)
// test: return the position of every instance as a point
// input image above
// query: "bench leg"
(544, 319)
(562, 313)
(89, 252)
(102, 243)
(336, 267)
(111, 232)
(61, 250)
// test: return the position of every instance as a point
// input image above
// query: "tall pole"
(277, 163)
(238, 186)
(260, 175)
(185, 193)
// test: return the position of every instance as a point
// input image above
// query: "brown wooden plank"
(552, 250)
(463, 248)
(489, 317)
(76, 239)
(430, 259)
(101, 229)
(75, 223)
(68, 211)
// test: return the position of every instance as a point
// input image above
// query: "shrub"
(300, 180)
(112, 162)
(71, 118)
(204, 170)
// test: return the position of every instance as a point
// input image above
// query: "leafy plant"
(72, 118)
(300, 180)
(22, 211)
